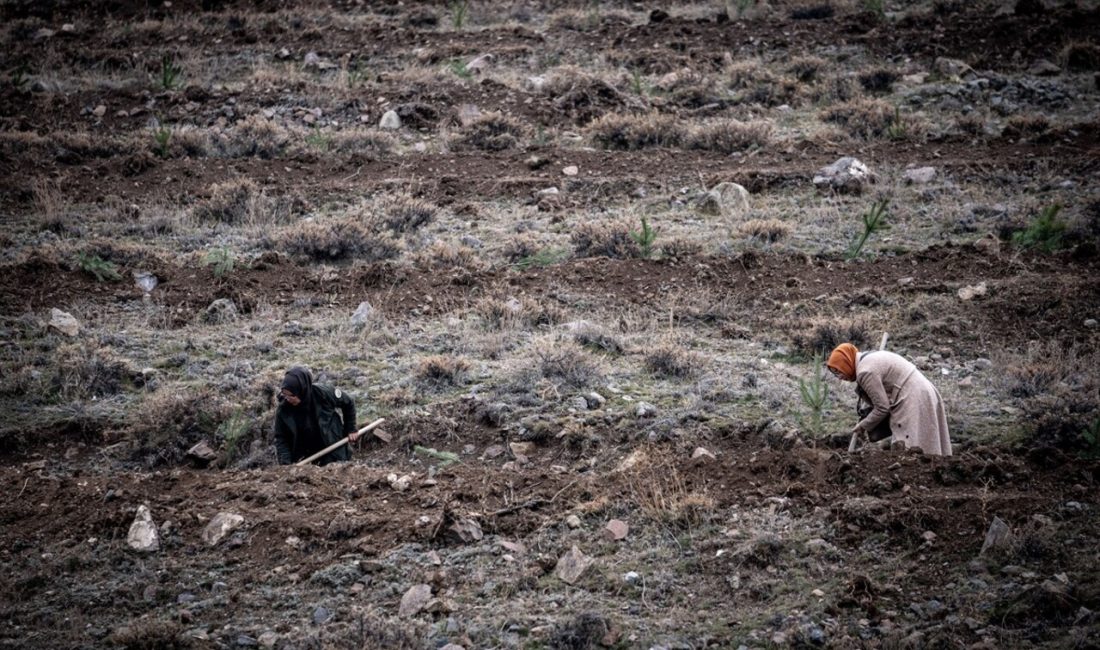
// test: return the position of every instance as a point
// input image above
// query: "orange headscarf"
(843, 360)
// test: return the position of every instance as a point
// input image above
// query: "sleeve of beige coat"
(871, 384)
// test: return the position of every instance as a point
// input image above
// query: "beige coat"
(895, 387)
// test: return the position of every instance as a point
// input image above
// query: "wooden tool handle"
(340, 443)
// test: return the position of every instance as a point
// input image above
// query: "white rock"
(362, 313)
(1091, 323)
(143, 536)
(630, 577)
(571, 170)
(645, 410)
(400, 484)
(728, 200)
(702, 454)
(390, 121)
(573, 521)
(919, 175)
(145, 281)
(549, 191)
(480, 64)
(973, 291)
(572, 566)
(998, 537)
(847, 174)
(311, 60)
(221, 525)
(414, 600)
(64, 322)
(535, 83)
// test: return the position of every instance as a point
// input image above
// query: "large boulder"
(847, 175)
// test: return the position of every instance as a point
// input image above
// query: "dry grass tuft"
(755, 84)
(765, 230)
(403, 214)
(1028, 125)
(606, 239)
(254, 136)
(235, 201)
(662, 495)
(729, 136)
(183, 418)
(823, 337)
(337, 240)
(673, 361)
(629, 132)
(505, 314)
(863, 118)
(807, 68)
(442, 255)
(598, 339)
(584, 97)
(489, 132)
(879, 80)
(362, 142)
(443, 370)
(568, 364)
(1081, 57)
(679, 248)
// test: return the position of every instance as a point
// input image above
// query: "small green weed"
(445, 458)
(741, 6)
(1091, 436)
(458, 66)
(898, 128)
(170, 73)
(356, 76)
(19, 76)
(874, 220)
(815, 394)
(95, 265)
(162, 136)
(637, 82)
(460, 13)
(1045, 233)
(644, 238)
(544, 257)
(232, 431)
(318, 140)
(876, 7)
(222, 259)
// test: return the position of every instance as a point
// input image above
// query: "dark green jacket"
(292, 447)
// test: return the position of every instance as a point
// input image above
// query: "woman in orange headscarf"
(898, 391)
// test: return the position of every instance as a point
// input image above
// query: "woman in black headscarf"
(307, 421)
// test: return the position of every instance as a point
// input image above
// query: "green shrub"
(1044, 233)
(95, 265)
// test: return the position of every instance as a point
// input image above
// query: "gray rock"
(466, 530)
(185, 598)
(390, 121)
(145, 281)
(998, 538)
(202, 453)
(572, 566)
(919, 175)
(363, 314)
(1091, 323)
(480, 64)
(414, 600)
(143, 536)
(595, 400)
(573, 521)
(982, 363)
(846, 175)
(1044, 68)
(728, 200)
(579, 403)
(221, 525)
(64, 322)
(645, 410)
(245, 641)
(321, 615)
(219, 312)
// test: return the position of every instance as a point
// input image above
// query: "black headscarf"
(299, 382)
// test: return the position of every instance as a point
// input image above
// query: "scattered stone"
(919, 175)
(595, 400)
(521, 448)
(535, 83)
(414, 600)
(99, 111)
(64, 322)
(645, 410)
(362, 314)
(966, 382)
(269, 639)
(202, 453)
(981, 363)
(702, 455)
(950, 67)
(973, 291)
(631, 577)
(928, 536)
(143, 536)
(1091, 323)
(221, 525)
(245, 641)
(399, 484)
(616, 530)
(579, 403)
(390, 121)
(847, 175)
(466, 530)
(514, 547)
(728, 200)
(1044, 68)
(998, 538)
(572, 566)
(321, 615)
(573, 521)
(480, 64)
(220, 312)
(145, 281)
(990, 245)
(571, 170)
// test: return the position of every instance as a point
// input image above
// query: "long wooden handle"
(855, 436)
(340, 443)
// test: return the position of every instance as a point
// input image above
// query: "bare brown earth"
(901, 567)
